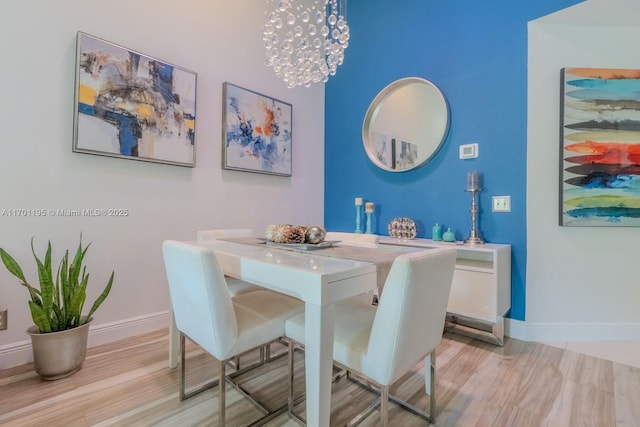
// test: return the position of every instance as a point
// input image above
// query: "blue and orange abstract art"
(257, 132)
(132, 106)
(600, 147)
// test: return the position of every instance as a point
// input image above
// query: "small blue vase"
(449, 236)
(436, 232)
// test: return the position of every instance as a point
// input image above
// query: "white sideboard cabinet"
(481, 289)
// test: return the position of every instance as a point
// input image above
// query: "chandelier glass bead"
(305, 40)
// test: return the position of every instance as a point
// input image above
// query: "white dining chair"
(356, 239)
(382, 343)
(222, 325)
(236, 286)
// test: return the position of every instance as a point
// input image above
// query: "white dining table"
(319, 281)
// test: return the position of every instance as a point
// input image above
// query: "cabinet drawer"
(473, 295)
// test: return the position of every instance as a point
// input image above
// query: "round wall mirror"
(405, 125)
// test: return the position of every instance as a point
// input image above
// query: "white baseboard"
(572, 331)
(19, 353)
(515, 329)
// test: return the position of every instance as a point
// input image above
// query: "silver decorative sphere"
(315, 234)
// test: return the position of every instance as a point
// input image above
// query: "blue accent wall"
(476, 53)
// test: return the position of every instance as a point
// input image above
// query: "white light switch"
(501, 204)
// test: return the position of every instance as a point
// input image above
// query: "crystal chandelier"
(305, 39)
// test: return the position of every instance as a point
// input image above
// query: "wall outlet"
(501, 204)
(3, 319)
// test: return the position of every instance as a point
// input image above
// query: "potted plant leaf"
(59, 336)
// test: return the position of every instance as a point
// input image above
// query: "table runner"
(382, 258)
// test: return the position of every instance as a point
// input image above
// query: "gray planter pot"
(59, 354)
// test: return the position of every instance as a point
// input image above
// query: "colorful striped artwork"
(600, 147)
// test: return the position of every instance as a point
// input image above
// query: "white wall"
(582, 282)
(221, 41)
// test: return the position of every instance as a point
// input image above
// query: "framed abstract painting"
(600, 147)
(406, 155)
(256, 132)
(382, 149)
(132, 106)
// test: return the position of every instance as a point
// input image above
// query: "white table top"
(288, 272)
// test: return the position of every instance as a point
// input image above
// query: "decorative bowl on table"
(402, 228)
(297, 237)
(285, 233)
(295, 234)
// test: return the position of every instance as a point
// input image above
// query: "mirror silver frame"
(405, 125)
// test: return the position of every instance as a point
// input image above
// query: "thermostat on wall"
(469, 151)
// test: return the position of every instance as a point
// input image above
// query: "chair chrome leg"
(432, 389)
(382, 401)
(431, 415)
(223, 378)
(182, 392)
(291, 400)
(182, 367)
(265, 356)
(269, 414)
(221, 399)
(384, 405)
(291, 363)
(364, 414)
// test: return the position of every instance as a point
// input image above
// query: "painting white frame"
(256, 132)
(132, 106)
(599, 147)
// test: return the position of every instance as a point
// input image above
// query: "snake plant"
(57, 305)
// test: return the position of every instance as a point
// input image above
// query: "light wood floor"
(128, 383)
